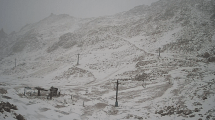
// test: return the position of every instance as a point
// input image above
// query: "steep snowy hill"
(179, 25)
(85, 57)
(192, 18)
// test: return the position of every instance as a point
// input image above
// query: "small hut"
(40, 89)
(53, 91)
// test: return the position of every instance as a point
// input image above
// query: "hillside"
(178, 84)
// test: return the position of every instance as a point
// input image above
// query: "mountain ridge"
(161, 55)
(155, 23)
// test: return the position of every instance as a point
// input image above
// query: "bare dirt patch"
(100, 105)
(59, 106)
(62, 112)
(44, 109)
(6, 97)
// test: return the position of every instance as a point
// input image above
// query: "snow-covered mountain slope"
(178, 84)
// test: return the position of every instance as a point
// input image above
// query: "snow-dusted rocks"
(178, 84)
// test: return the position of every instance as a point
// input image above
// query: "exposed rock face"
(3, 34)
(211, 59)
(67, 40)
(7, 107)
(206, 55)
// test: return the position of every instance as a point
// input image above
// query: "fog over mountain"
(161, 54)
(17, 13)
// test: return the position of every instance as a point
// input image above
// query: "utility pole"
(159, 51)
(117, 84)
(15, 62)
(24, 91)
(51, 94)
(78, 59)
(83, 104)
(116, 103)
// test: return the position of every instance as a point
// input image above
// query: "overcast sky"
(14, 14)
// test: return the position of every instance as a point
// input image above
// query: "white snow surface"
(179, 85)
(97, 92)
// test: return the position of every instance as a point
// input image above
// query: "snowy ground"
(178, 87)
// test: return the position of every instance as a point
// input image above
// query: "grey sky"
(14, 14)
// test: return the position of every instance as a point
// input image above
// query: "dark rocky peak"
(138, 10)
(52, 14)
(12, 33)
(3, 34)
